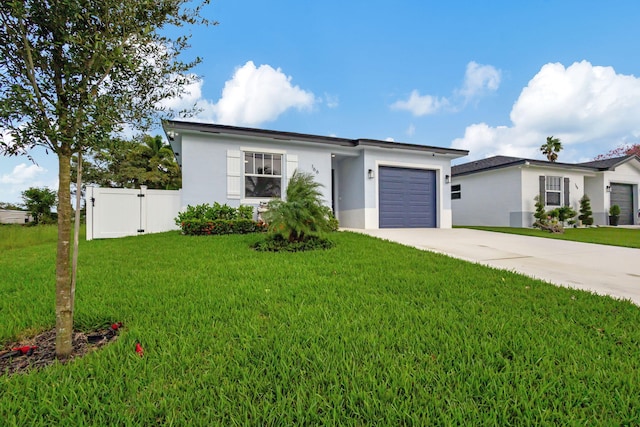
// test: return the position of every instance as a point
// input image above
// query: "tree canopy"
(622, 150)
(121, 163)
(73, 72)
(551, 148)
(39, 202)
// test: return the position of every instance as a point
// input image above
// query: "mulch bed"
(45, 353)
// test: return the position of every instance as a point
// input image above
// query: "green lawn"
(14, 236)
(367, 333)
(628, 237)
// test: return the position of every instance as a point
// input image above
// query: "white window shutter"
(234, 174)
(292, 165)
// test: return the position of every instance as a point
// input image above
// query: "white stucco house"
(368, 183)
(500, 190)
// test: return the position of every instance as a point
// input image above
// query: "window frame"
(254, 171)
(550, 188)
(456, 193)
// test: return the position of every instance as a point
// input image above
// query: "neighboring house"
(500, 190)
(10, 216)
(368, 183)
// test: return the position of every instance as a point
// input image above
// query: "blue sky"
(492, 77)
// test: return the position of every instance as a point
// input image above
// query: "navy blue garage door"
(407, 198)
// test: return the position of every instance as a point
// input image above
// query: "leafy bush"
(277, 243)
(540, 215)
(245, 212)
(214, 212)
(214, 219)
(565, 213)
(199, 227)
(585, 211)
(614, 210)
(547, 220)
(302, 215)
(334, 225)
(299, 222)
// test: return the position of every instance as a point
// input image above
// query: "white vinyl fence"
(119, 212)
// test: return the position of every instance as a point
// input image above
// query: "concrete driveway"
(606, 270)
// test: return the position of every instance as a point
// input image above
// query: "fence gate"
(119, 212)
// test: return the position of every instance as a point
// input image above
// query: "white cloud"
(21, 174)
(390, 139)
(254, 95)
(421, 105)
(192, 96)
(411, 130)
(21, 177)
(259, 94)
(478, 80)
(332, 101)
(590, 108)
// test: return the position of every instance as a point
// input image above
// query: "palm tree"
(551, 148)
(303, 214)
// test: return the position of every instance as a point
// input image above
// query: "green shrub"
(540, 215)
(585, 211)
(547, 220)
(563, 214)
(277, 243)
(334, 225)
(200, 227)
(614, 210)
(216, 219)
(245, 212)
(214, 212)
(302, 215)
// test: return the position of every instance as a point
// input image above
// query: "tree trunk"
(76, 233)
(64, 301)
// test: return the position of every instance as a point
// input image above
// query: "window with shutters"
(553, 190)
(262, 175)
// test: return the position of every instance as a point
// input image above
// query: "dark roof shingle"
(497, 162)
(607, 164)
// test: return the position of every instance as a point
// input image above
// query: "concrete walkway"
(606, 270)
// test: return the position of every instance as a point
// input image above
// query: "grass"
(366, 333)
(14, 236)
(613, 236)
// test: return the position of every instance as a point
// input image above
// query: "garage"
(622, 195)
(407, 198)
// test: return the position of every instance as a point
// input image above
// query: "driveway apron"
(603, 269)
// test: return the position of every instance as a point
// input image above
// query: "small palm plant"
(302, 215)
(299, 222)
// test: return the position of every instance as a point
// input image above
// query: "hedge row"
(201, 227)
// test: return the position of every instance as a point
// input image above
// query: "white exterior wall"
(492, 198)
(350, 177)
(205, 167)
(595, 188)
(204, 171)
